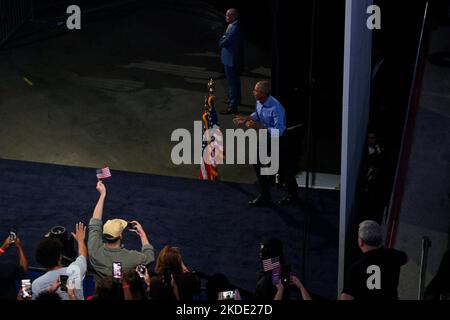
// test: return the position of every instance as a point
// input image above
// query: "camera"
(227, 295)
(26, 288)
(63, 279)
(117, 270)
(60, 233)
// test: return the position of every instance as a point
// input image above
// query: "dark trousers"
(234, 86)
(286, 171)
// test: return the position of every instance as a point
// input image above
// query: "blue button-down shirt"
(271, 115)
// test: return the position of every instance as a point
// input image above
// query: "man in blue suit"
(231, 45)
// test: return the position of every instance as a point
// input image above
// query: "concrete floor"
(112, 93)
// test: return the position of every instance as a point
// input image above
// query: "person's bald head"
(231, 15)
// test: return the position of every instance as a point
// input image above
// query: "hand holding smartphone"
(63, 280)
(141, 269)
(12, 235)
(285, 275)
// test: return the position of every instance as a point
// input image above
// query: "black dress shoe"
(261, 201)
(289, 199)
(228, 111)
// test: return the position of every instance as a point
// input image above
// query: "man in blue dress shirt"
(270, 115)
(231, 56)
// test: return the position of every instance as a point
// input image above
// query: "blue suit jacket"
(231, 45)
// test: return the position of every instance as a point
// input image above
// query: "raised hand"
(137, 228)
(101, 188)
(80, 232)
(7, 243)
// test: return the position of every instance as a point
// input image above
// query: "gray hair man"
(270, 115)
(376, 274)
(370, 235)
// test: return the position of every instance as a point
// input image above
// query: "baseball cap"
(112, 229)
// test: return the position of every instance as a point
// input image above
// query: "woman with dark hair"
(173, 281)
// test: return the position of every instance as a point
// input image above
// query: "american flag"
(103, 173)
(271, 264)
(212, 145)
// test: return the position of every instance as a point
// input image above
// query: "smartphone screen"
(141, 270)
(63, 280)
(26, 288)
(227, 295)
(12, 236)
(117, 270)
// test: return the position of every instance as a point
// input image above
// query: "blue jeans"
(234, 86)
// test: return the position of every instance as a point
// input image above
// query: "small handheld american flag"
(103, 173)
(270, 264)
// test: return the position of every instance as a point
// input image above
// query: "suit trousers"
(234, 86)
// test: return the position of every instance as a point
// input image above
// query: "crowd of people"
(123, 274)
(120, 273)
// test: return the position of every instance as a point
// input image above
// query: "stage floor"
(211, 222)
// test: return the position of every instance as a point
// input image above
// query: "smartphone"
(227, 295)
(12, 235)
(285, 275)
(117, 270)
(26, 288)
(141, 270)
(63, 279)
